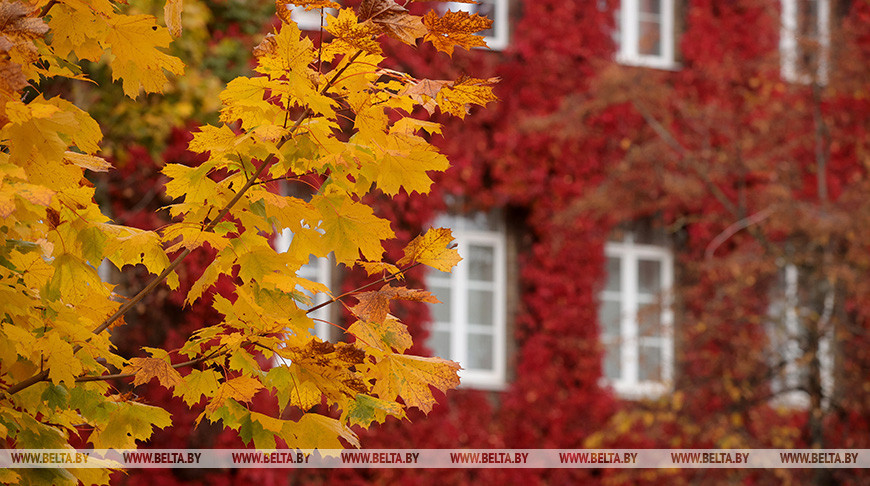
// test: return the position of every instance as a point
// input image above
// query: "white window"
(805, 40)
(496, 10)
(310, 19)
(646, 33)
(470, 324)
(789, 339)
(636, 319)
(316, 270)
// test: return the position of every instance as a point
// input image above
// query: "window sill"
(648, 390)
(648, 62)
(480, 381)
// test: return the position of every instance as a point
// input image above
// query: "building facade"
(663, 225)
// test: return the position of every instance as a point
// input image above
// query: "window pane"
(441, 312)
(608, 317)
(649, 319)
(650, 366)
(649, 276)
(612, 360)
(439, 341)
(310, 269)
(479, 352)
(650, 6)
(480, 307)
(614, 274)
(480, 262)
(649, 39)
(808, 19)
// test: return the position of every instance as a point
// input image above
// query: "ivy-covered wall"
(575, 147)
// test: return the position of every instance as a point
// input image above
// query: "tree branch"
(677, 147)
(192, 362)
(734, 228)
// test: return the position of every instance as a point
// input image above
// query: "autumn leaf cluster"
(330, 113)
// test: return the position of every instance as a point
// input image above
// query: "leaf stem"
(47, 7)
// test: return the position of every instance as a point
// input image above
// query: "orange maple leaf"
(282, 7)
(147, 368)
(455, 29)
(394, 19)
(375, 306)
(457, 97)
(424, 92)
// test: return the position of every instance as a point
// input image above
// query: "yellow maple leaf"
(409, 377)
(32, 193)
(315, 431)
(137, 42)
(241, 389)
(62, 364)
(40, 133)
(349, 31)
(432, 249)
(388, 335)
(198, 384)
(131, 246)
(77, 30)
(244, 99)
(192, 236)
(366, 409)
(455, 29)
(74, 280)
(405, 164)
(373, 268)
(291, 389)
(351, 228)
(85, 161)
(284, 53)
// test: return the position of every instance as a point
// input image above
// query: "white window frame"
(784, 334)
(790, 44)
(500, 25)
(629, 253)
(459, 284)
(318, 269)
(308, 19)
(629, 18)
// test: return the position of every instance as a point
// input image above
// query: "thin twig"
(192, 362)
(385, 279)
(734, 228)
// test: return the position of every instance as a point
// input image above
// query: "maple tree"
(328, 112)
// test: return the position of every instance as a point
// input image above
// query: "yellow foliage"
(55, 352)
